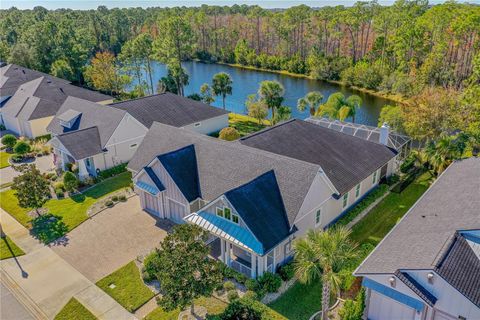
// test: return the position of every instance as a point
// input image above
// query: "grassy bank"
(74, 310)
(8, 249)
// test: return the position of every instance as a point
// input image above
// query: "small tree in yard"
(9, 140)
(229, 134)
(32, 189)
(183, 268)
(21, 147)
(70, 181)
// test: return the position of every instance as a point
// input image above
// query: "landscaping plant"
(229, 134)
(31, 188)
(9, 140)
(269, 282)
(21, 148)
(70, 181)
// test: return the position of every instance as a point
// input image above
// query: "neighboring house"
(31, 108)
(428, 266)
(177, 111)
(256, 195)
(97, 137)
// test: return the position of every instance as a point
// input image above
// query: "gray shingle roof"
(92, 115)
(460, 266)
(83, 143)
(43, 97)
(223, 166)
(168, 108)
(346, 160)
(452, 203)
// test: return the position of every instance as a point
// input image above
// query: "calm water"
(246, 82)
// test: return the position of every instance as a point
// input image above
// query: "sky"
(92, 4)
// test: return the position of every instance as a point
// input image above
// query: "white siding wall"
(209, 125)
(171, 189)
(11, 124)
(38, 127)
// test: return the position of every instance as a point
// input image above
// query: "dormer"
(68, 118)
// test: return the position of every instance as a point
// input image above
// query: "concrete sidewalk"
(44, 282)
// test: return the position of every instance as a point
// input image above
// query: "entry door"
(151, 204)
(381, 307)
(177, 211)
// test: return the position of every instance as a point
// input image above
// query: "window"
(133, 145)
(287, 248)
(235, 218)
(374, 177)
(197, 124)
(227, 213)
(345, 200)
(317, 217)
(220, 212)
(357, 190)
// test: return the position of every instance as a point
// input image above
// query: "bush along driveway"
(301, 301)
(72, 211)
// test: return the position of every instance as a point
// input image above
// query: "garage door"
(151, 204)
(177, 211)
(382, 307)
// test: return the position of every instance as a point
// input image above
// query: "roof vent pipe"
(384, 133)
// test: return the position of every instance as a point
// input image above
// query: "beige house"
(257, 194)
(97, 137)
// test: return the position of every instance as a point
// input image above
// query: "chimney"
(384, 132)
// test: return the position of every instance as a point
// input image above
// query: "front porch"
(86, 167)
(243, 261)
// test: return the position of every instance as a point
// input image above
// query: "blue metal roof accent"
(235, 231)
(472, 235)
(154, 178)
(4, 100)
(181, 164)
(146, 187)
(393, 294)
(260, 204)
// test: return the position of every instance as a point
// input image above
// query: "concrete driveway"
(112, 238)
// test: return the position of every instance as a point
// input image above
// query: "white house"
(428, 266)
(30, 99)
(257, 194)
(97, 137)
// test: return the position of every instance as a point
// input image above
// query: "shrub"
(112, 171)
(229, 134)
(394, 178)
(407, 165)
(270, 282)
(240, 309)
(353, 310)
(115, 198)
(251, 284)
(109, 203)
(250, 295)
(69, 166)
(122, 198)
(59, 185)
(287, 271)
(9, 140)
(59, 193)
(70, 181)
(346, 279)
(232, 295)
(48, 227)
(21, 147)
(16, 158)
(229, 285)
(231, 273)
(150, 266)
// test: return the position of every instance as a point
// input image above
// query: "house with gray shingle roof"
(33, 104)
(428, 266)
(97, 137)
(255, 195)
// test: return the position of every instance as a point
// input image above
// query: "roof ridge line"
(134, 99)
(79, 130)
(268, 129)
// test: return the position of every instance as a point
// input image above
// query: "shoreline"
(386, 96)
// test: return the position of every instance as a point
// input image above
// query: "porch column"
(228, 253)
(261, 265)
(82, 169)
(254, 265)
(222, 251)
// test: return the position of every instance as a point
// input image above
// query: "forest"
(426, 56)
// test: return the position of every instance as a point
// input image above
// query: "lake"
(246, 82)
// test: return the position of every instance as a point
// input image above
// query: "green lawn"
(74, 209)
(4, 156)
(74, 310)
(9, 249)
(373, 227)
(299, 302)
(129, 290)
(213, 305)
(245, 124)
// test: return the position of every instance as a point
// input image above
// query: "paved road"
(10, 308)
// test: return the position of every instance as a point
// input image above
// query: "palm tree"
(443, 151)
(312, 100)
(222, 85)
(271, 92)
(340, 107)
(321, 255)
(206, 94)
